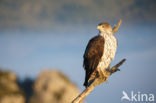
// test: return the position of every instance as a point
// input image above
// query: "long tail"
(86, 80)
(89, 76)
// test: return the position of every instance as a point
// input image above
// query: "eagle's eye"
(103, 26)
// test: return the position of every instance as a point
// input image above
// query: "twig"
(115, 29)
(97, 81)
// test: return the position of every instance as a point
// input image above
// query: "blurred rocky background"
(10, 92)
(51, 86)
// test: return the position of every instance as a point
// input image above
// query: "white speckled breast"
(110, 46)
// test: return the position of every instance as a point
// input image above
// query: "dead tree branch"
(115, 29)
(98, 80)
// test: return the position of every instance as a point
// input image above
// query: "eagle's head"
(105, 28)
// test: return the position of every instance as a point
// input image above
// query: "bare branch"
(115, 68)
(98, 80)
(115, 29)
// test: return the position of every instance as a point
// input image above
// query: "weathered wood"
(98, 80)
(115, 29)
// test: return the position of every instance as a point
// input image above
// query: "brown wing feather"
(92, 56)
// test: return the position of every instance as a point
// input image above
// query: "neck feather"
(104, 33)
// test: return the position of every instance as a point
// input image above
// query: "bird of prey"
(99, 52)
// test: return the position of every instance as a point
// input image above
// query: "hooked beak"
(98, 27)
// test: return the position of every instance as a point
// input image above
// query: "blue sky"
(53, 34)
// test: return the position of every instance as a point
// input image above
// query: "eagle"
(99, 53)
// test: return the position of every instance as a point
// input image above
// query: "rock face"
(9, 90)
(52, 86)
